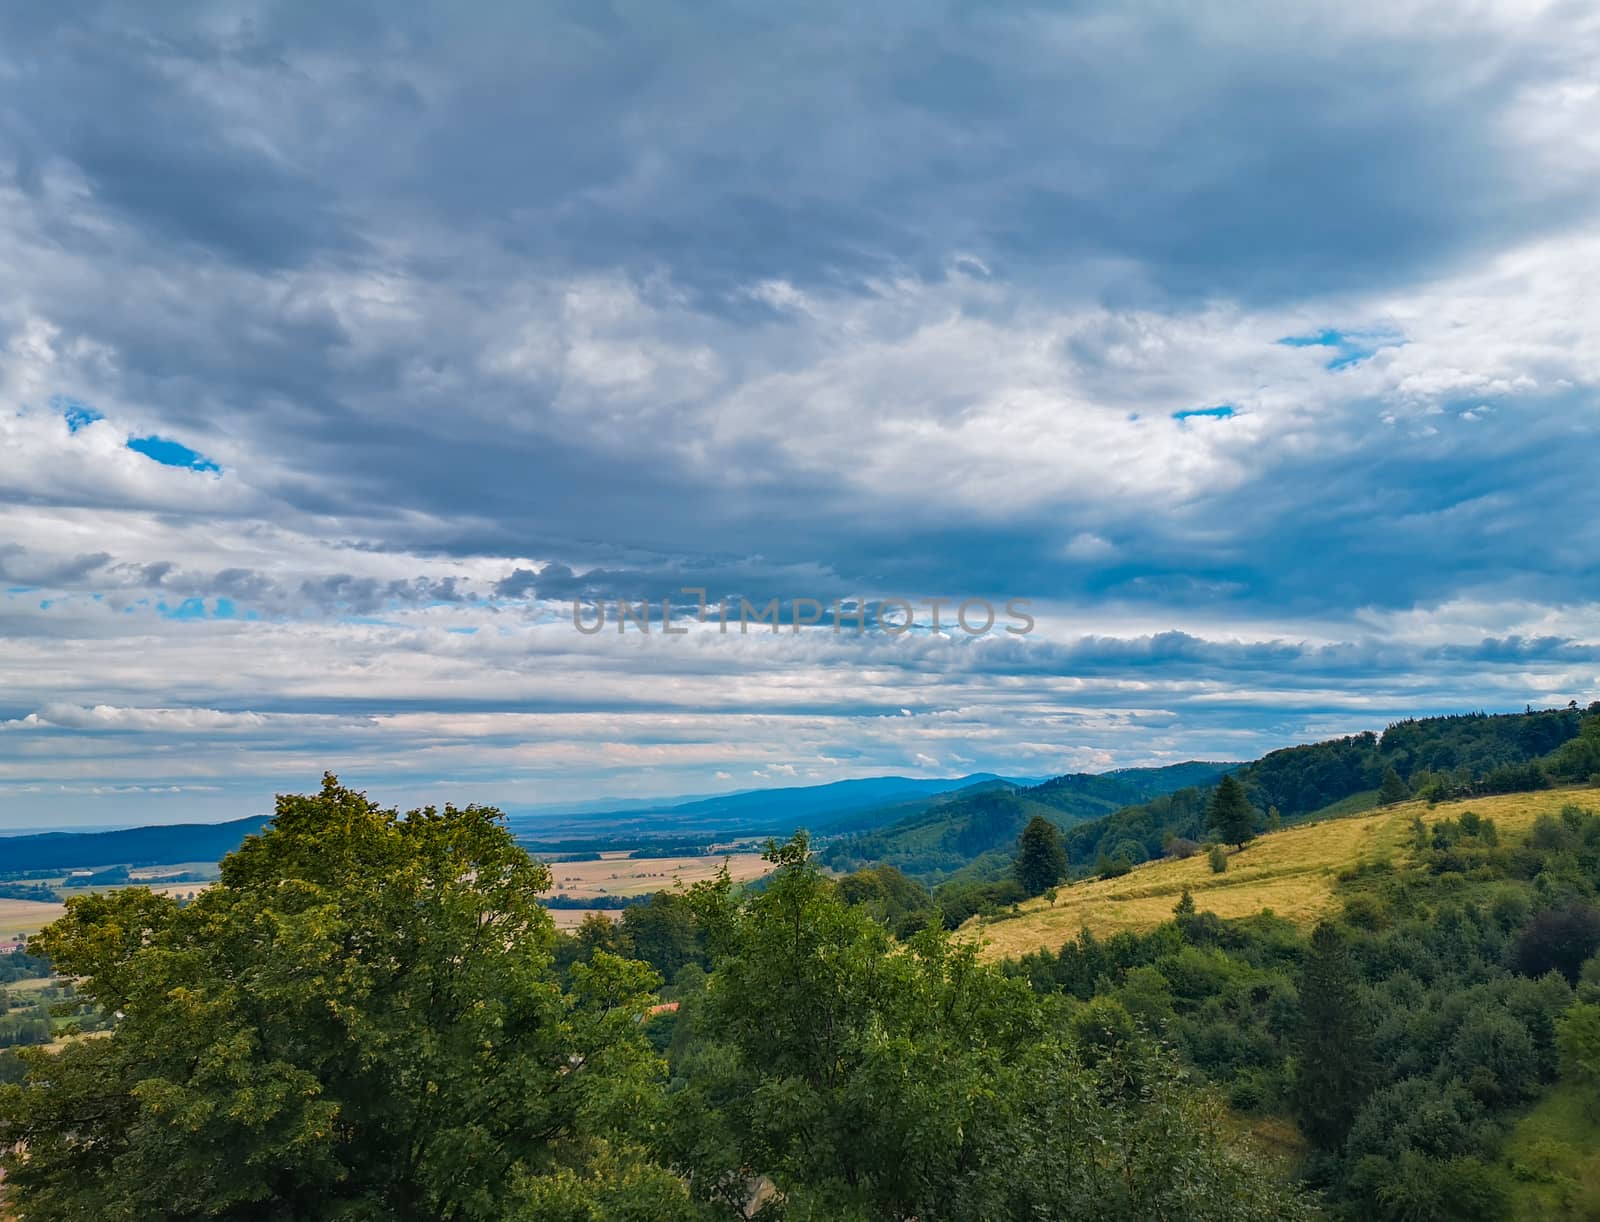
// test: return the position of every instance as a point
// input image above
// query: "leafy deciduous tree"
(359, 1021)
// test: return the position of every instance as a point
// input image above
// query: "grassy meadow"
(1293, 872)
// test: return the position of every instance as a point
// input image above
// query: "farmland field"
(618, 874)
(1292, 872)
(25, 916)
(615, 874)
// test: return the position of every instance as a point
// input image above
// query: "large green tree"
(361, 1020)
(1230, 814)
(1041, 857)
(863, 1079)
(1334, 1063)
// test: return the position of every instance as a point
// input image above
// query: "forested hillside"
(135, 846)
(1433, 1037)
(1437, 757)
(948, 833)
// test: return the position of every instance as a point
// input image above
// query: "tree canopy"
(361, 1020)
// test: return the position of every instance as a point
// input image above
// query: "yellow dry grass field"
(618, 874)
(1292, 872)
(19, 918)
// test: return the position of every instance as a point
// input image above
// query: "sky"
(344, 347)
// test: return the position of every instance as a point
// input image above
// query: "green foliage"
(1578, 759)
(1113, 867)
(1578, 1038)
(1041, 861)
(869, 1081)
(36, 892)
(901, 903)
(1217, 858)
(1404, 1038)
(1392, 789)
(1230, 814)
(1493, 1055)
(1417, 1188)
(662, 932)
(361, 1020)
(1334, 1043)
(1559, 939)
(937, 839)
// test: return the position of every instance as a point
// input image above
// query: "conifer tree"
(1041, 859)
(1393, 788)
(1230, 814)
(1334, 1073)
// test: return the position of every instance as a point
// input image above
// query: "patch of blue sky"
(1221, 412)
(1350, 347)
(189, 608)
(171, 453)
(77, 414)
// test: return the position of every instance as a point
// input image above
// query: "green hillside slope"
(949, 833)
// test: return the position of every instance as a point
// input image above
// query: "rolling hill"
(752, 812)
(133, 846)
(860, 803)
(1293, 872)
(1443, 757)
(936, 838)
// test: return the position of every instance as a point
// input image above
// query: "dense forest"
(1404, 1035)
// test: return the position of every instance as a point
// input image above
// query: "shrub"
(1365, 912)
(1558, 939)
(1218, 857)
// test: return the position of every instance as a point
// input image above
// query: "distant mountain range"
(935, 828)
(750, 812)
(133, 846)
(756, 812)
(940, 835)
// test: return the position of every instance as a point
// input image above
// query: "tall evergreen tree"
(1230, 814)
(1334, 1049)
(1393, 789)
(1041, 859)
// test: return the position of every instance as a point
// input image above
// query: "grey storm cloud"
(718, 146)
(480, 308)
(16, 565)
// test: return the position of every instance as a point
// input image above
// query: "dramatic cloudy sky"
(342, 346)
